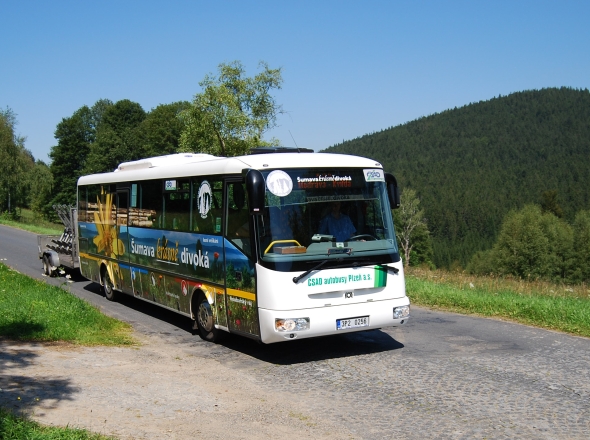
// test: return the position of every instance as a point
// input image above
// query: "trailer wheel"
(107, 285)
(204, 320)
(47, 270)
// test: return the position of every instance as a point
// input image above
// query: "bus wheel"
(204, 321)
(107, 285)
(47, 266)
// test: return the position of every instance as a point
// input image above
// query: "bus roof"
(191, 164)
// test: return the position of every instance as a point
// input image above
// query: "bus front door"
(240, 280)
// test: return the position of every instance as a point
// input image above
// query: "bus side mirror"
(392, 190)
(256, 190)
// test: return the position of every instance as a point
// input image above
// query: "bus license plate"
(343, 324)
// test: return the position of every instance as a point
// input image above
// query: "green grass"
(34, 311)
(31, 222)
(14, 427)
(552, 306)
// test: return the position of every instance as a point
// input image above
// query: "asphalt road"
(442, 375)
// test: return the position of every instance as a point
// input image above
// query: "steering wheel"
(362, 237)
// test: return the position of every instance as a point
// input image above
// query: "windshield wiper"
(363, 262)
(316, 267)
(388, 268)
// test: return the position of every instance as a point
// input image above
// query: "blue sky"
(349, 67)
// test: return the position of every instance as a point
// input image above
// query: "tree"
(74, 135)
(161, 129)
(521, 248)
(582, 246)
(68, 158)
(549, 203)
(41, 186)
(422, 252)
(118, 137)
(233, 112)
(560, 243)
(411, 228)
(15, 162)
(531, 244)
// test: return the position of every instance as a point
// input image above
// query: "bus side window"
(149, 206)
(176, 211)
(238, 228)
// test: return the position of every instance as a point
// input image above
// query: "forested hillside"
(471, 165)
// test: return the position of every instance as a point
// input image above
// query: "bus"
(277, 245)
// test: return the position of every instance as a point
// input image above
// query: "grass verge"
(31, 222)
(552, 306)
(14, 427)
(34, 311)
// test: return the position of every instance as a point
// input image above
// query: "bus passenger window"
(176, 211)
(148, 206)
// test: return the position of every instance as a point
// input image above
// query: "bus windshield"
(330, 213)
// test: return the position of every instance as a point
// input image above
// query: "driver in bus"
(337, 223)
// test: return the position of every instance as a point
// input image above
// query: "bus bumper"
(324, 320)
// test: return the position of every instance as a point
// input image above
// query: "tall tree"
(118, 137)
(41, 185)
(15, 163)
(68, 158)
(233, 112)
(161, 129)
(75, 135)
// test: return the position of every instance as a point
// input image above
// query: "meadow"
(29, 221)
(554, 306)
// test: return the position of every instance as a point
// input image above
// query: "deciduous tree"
(40, 188)
(118, 137)
(15, 162)
(161, 129)
(74, 135)
(582, 246)
(232, 112)
(411, 228)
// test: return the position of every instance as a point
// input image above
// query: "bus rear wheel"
(108, 286)
(204, 320)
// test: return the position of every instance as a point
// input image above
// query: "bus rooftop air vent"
(265, 150)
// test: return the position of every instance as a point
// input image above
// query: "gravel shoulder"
(156, 390)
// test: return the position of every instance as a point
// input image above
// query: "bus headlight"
(401, 312)
(291, 324)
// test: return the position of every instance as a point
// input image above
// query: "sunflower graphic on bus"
(107, 239)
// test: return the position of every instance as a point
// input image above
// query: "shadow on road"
(22, 394)
(287, 353)
(315, 349)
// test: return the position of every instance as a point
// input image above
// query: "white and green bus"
(277, 245)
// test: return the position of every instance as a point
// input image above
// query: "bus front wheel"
(204, 320)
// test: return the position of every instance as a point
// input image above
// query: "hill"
(473, 164)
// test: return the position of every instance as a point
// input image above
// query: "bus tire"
(204, 320)
(107, 285)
